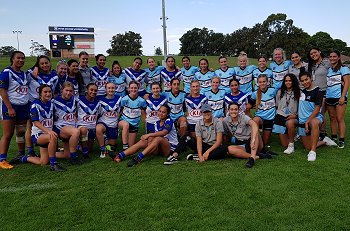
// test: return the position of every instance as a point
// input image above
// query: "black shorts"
(245, 143)
(267, 125)
(133, 129)
(334, 101)
(217, 154)
(191, 127)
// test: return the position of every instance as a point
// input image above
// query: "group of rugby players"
(77, 104)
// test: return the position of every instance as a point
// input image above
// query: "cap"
(206, 108)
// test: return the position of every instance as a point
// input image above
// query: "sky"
(111, 17)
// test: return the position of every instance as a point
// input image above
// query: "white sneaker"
(290, 149)
(192, 157)
(102, 155)
(329, 141)
(311, 156)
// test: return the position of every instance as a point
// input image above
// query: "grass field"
(284, 193)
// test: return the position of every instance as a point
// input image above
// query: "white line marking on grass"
(27, 187)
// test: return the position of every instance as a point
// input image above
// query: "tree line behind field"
(261, 39)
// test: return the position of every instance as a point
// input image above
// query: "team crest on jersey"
(22, 90)
(209, 97)
(89, 118)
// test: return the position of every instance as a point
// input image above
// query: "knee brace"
(20, 133)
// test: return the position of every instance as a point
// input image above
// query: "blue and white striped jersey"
(109, 111)
(225, 77)
(204, 80)
(43, 113)
(131, 109)
(139, 76)
(87, 112)
(267, 107)
(167, 76)
(216, 102)
(245, 78)
(16, 84)
(176, 103)
(334, 82)
(152, 108)
(278, 72)
(193, 108)
(187, 75)
(153, 76)
(65, 111)
(120, 84)
(50, 79)
(100, 78)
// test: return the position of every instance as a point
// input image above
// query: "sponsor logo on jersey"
(89, 118)
(195, 113)
(111, 114)
(48, 123)
(69, 117)
(22, 90)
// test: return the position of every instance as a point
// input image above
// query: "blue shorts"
(35, 140)
(111, 133)
(149, 128)
(22, 112)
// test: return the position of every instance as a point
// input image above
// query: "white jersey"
(87, 112)
(193, 108)
(16, 84)
(42, 112)
(172, 135)
(100, 78)
(152, 108)
(50, 79)
(109, 111)
(65, 112)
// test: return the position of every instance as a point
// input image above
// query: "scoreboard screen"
(61, 41)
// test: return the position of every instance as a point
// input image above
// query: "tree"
(323, 41)
(6, 50)
(126, 44)
(158, 51)
(37, 49)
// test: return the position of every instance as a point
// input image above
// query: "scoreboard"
(61, 41)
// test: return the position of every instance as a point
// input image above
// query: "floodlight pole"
(164, 18)
(17, 32)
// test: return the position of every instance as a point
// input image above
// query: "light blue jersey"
(204, 80)
(153, 76)
(216, 102)
(131, 109)
(176, 104)
(167, 76)
(334, 82)
(187, 75)
(267, 107)
(278, 72)
(100, 78)
(258, 72)
(225, 77)
(245, 78)
(120, 84)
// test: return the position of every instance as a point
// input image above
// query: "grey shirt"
(296, 71)
(86, 74)
(209, 132)
(239, 129)
(287, 105)
(319, 74)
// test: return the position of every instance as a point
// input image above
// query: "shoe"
(5, 165)
(250, 163)
(171, 160)
(57, 168)
(311, 156)
(341, 144)
(290, 149)
(329, 141)
(192, 157)
(134, 162)
(75, 161)
(264, 155)
(16, 160)
(102, 155)
(111, 154)
(271, 153)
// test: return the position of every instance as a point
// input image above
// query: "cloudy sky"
(110, 17)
